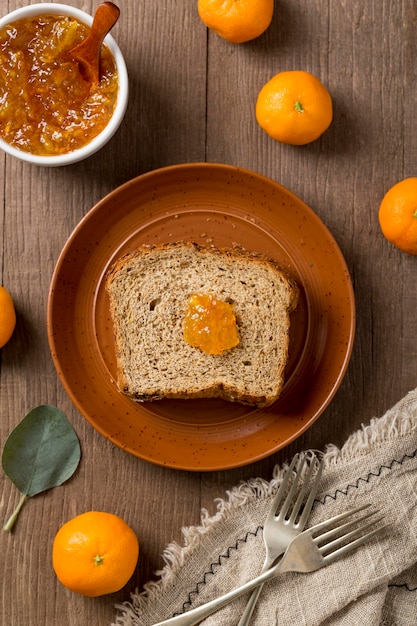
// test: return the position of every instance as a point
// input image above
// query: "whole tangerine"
(95, 553)
(236, 21)
(294, 107)
(7, 316)
(398, 215)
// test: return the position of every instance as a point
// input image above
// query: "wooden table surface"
(192, 98)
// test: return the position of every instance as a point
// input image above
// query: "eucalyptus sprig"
(42, 452)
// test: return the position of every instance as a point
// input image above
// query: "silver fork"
(283, 524)
(309, 551)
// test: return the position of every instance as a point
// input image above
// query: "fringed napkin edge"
(397, 422)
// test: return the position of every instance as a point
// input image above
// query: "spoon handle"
(88, 51)
(105, 18)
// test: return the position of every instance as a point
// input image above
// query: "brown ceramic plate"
(213, 204)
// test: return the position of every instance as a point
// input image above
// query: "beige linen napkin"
(373, 585)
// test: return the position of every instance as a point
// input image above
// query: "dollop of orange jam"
(210, 324)
(46, 107)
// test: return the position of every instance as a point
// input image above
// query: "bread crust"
(230, 390)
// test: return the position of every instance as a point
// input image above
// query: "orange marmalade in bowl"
(46, 107)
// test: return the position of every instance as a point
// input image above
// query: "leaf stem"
(10, 522)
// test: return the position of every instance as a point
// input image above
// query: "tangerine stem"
(298, 107)
(98, 560)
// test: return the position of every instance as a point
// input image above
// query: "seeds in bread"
(149, 290)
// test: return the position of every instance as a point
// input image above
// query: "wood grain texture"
(192, 98)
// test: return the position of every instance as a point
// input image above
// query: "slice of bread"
(149, 291)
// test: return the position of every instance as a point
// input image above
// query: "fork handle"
(250, 606)
(201, 612)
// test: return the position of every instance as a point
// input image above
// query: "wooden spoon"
(88, 51)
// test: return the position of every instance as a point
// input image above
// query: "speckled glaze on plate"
(212, 204)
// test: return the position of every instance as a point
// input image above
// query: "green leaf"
(42, 452)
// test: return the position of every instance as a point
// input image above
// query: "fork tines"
(284, 505)
(340, 540)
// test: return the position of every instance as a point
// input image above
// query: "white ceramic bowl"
(53, 8)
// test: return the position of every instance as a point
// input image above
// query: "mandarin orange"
(7, 316)
(294, 107)
(95, 553)
(398, 215)
(236, 21)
